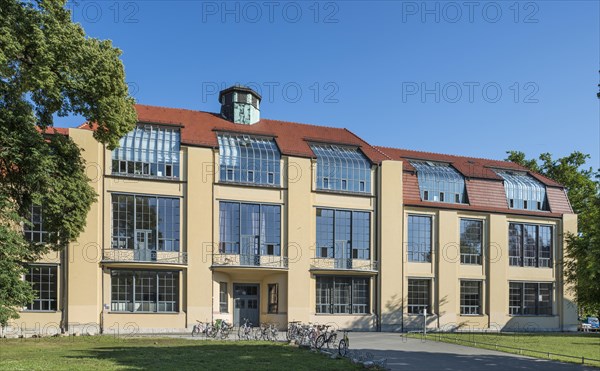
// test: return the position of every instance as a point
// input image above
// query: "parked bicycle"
(344, 344)
(203, 328)
(221, 329)
(327, 337)
(245, 331)
(293, 331)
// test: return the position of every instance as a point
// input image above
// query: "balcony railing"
(344, 264)
(150, 256)
(249, 260)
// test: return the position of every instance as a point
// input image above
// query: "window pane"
(44, 282)
(523, 191)
(545, 246)
(325, 220)
(342, 169)
(529, 245)
(440, 182)
(545, 299)
(148, 150)
(515, 298)
(470, 297)
(471, 236)
(419, 238)
(515, 243)
(273, 298)
(324, 294)
(418, 296)
(247, 159)
(223, 298)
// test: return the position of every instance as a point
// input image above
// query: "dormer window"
(148, 151)
(248, 159)
(440, 182)
(523, 191)
(341, 168)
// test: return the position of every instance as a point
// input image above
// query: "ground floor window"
(530, 298)
(144, 291)
(43, 279)
(470, 297)
(223, 298)
(419, 296)
(273, 298)
(342, 295)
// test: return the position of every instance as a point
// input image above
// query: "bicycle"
(293, 330)
(327, 337)
(205, 328)
(245, 330)
(344, 344)
(222, 328)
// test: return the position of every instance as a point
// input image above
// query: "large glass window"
(440, 182)
(34, 231)
(249, 229)
(44, 283)
(530, 298)
(530, 245)
(144, 291)
(145, 222)
(523, 191)
(148, 150)
(419, 296)
(342, 295)
(419, 238)
(342, 169)
(471, 237)
(248, 159)
(343, 234)
(470, 297)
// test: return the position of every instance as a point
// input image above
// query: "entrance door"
(250, 254)
(245, 303)
(343, 259)
(142, 238)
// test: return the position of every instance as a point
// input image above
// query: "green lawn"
(572, 344)
(110, 353)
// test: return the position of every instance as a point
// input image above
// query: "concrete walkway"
(414, 354)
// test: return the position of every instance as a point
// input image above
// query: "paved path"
(416, 355)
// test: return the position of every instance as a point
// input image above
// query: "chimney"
(240, 105)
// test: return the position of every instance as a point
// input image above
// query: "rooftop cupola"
(240, 105)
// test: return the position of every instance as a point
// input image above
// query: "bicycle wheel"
(211, 331)
(343, 348)
(320, 341)
(332, 340)
(289, 335)
(241, 332)
(195, 331)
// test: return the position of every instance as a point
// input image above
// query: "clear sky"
(467, 77)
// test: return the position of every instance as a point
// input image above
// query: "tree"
(49, 68)
(582, 266)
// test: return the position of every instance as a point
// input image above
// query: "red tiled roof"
(199, 129)
(54, 130)
(469, 167)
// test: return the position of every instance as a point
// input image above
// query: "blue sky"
(470, 78)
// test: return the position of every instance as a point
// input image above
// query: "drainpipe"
(64, 325)
(377, 249)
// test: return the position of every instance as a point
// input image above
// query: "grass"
(570, 344)
(110, 353)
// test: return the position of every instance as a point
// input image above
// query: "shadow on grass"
(209, 355)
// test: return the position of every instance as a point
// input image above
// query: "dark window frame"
(524, 298)
(141, 291)
(419, 295)
(343, 295)
(471, 248)
(471, 295)
(334, 224)
(422, 250)
(223, 297)
(526, 250)
(273, 298)
(44, 281)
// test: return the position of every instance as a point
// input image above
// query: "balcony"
(143, 256)
(360, 265)
(249, 261)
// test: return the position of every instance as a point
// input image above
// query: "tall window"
(343, 234)
(530, 245)
(342, 295)
(273, 298)
(470, 297)
(145, 222)
(530, 298)
(144, 291)
(249, 229)
(419, 296)
(223, 298)
(471, 237)
(35, 232)
(419, 238)
(44, 282)
(440, 182)
(148, 150)
(342, 169)
(248, 159)
(523, 191)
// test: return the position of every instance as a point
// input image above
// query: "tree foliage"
(49, 68)
(582, 266)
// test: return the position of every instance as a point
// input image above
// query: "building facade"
(202, 216)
